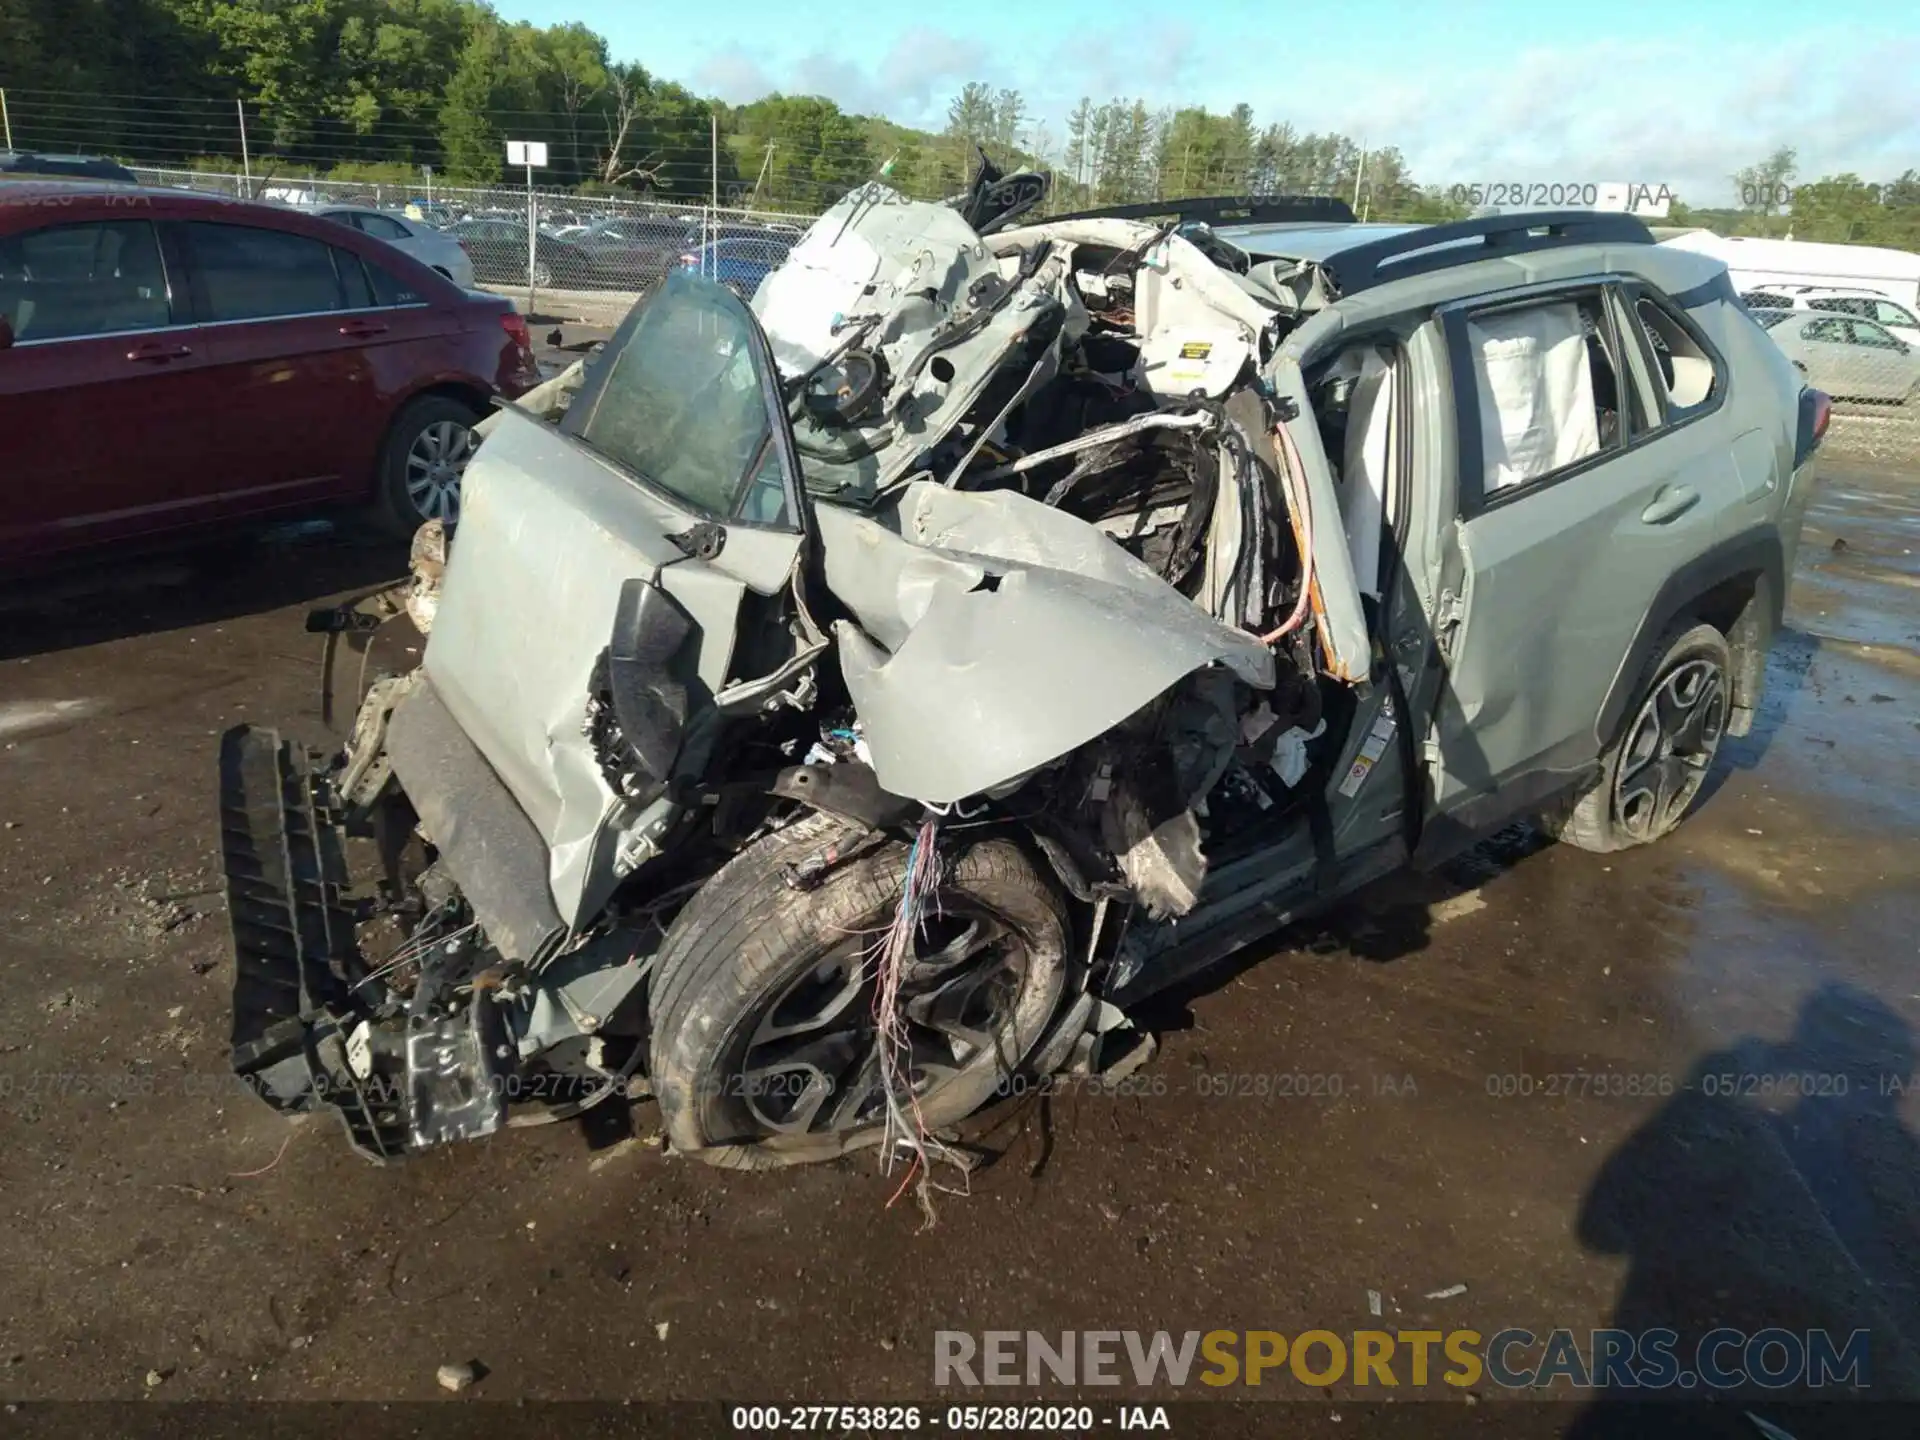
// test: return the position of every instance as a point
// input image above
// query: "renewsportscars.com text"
(1512, 1358)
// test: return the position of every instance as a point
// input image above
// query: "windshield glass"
(679, 399)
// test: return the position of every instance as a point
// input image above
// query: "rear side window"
(251, 273)
(69, 281)
(1548, 389)
(1834, 331)
(1865, 332)
(1689, 378)
(1843, 304)
(1888, 313)
(381, 228)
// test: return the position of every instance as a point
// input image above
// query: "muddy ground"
(163, 1237)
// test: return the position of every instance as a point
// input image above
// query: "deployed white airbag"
(1536, 392)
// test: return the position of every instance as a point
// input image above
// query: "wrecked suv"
(836, 709)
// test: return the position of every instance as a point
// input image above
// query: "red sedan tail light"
(515, 324)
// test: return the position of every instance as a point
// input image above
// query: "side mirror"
(6, 333)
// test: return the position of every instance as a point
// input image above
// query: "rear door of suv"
(104, 408)
(1584, 483)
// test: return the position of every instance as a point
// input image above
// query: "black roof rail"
(1440, 247)
(1228, 210)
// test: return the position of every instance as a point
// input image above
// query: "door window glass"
(679, 397)
(252, 273)
(70, 281)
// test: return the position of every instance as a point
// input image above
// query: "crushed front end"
(806, 713)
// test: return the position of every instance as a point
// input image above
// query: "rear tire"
(1651, 776)
(748, 1073)
(422, 462)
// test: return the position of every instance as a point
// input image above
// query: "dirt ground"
(163, 1236)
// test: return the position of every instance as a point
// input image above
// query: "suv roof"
(1782, 288)
(79, 167)
(1359, 257)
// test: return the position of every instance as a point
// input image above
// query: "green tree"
(472, 150)
(1762, 188)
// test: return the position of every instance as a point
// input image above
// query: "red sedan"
(173, 362)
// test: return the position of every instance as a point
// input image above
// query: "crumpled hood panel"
(997, 634)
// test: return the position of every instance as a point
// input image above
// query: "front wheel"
(765, 1048)
(1653, 773)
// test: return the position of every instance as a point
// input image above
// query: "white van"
(1755, 263)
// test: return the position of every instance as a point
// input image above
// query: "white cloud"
(1685, 111)
(910, 83)
(733, 76)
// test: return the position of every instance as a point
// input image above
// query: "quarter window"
(69, 281)
(353, 279)
(389, 289)
(1688, 379)
(251, 273)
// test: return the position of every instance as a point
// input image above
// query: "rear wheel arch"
(1739, 588)
(475, 397)
(446, 398)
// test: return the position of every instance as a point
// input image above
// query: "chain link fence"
(586, 248)
(1859, 347)
(592, 255)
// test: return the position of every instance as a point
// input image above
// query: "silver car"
(1845, 355)
(419, 239)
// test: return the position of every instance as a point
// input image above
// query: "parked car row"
(615, 252)
(432, 247)
(172, 362)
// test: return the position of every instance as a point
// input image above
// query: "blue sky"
(1680, 93)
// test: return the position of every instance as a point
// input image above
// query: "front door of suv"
(1579, 493)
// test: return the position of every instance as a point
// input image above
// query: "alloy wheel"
(813, 1061)
(1670, 748)
(435, 462)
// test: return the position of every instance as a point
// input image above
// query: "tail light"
(689, 262)
(515, 324)
(1816, 413)
(466, 248)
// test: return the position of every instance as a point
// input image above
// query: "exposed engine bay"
(968, 606)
